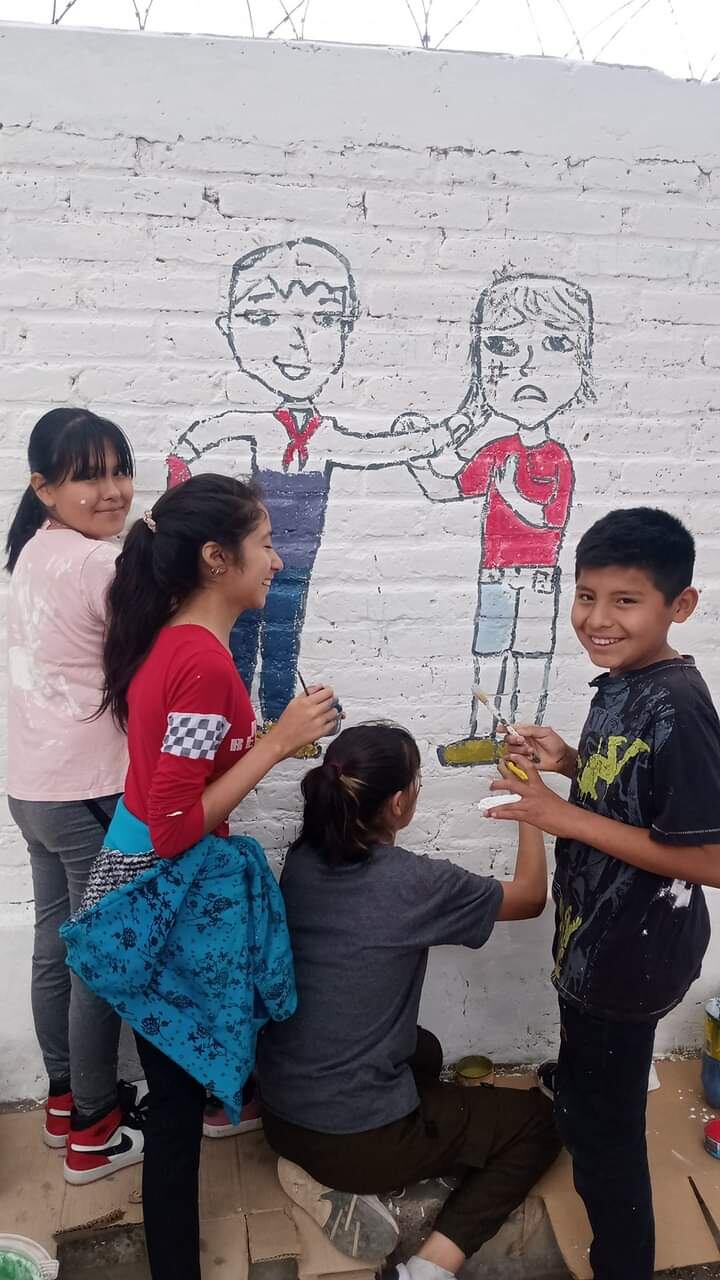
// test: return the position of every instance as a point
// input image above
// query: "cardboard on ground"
(246, 1217)
(677, 1114)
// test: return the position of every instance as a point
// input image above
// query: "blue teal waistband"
(127, 833)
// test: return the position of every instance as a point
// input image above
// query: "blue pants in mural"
(296, 505)
(273, 633)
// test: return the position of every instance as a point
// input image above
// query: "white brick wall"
(134, 170)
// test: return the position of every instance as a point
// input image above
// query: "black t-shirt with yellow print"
(628, 943)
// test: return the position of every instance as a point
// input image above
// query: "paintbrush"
(336, 704)
(481, 696)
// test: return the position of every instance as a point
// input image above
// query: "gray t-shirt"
(360, 937)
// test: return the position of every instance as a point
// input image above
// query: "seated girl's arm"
(524, 896)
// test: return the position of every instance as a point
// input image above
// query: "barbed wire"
(142, 18)
(56, 18)
(426, 14)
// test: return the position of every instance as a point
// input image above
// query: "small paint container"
(23, 1259)
(712, 1138)
(474, 1070)
(496, 800)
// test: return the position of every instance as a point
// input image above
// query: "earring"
(217, 571)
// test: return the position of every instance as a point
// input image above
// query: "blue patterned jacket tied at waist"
(193, 951)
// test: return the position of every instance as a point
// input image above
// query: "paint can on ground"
(711, 1053)
(712, 1138)
(474, 1070)
(23, 1259)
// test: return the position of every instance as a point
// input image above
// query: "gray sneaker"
(359, 1226)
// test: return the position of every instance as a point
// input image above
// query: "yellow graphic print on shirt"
(597, 768)
(566, 927)
(606, 768)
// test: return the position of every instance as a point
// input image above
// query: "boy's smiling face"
(621, 618)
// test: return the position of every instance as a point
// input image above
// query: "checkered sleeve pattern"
(196, 737)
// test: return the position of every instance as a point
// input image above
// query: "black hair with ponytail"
(159, 567)
(64, 444)
(344, 796)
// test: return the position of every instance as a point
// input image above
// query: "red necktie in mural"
(299, 437)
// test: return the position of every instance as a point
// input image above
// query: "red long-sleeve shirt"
(190, 719)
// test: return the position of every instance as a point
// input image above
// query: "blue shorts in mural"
(517, 611)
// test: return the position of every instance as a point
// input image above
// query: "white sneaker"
(359, 1226)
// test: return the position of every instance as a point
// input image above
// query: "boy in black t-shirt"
(638, 837)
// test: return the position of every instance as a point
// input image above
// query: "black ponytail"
(64, 444)
(345, 795)
(159, 568)
(29, 517)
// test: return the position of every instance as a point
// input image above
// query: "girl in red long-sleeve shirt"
(200, 557)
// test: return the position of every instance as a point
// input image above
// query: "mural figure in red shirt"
(531, 361)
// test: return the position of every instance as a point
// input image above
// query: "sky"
(680, 37)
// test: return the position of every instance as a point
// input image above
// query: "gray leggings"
(77, 1032)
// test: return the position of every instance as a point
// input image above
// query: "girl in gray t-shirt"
(350, 1084)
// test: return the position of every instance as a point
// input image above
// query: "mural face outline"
(290, 309)
(531, 348)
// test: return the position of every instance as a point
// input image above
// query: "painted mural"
(530, 361)
(290, 310)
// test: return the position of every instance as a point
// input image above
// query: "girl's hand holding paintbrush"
(339, 713)
(312, 715)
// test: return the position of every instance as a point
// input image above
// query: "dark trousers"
(499, 1140)
(173, 1134)
(275, 632)
(600, 1105)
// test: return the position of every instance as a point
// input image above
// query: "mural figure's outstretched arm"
(437, 475)
(215, 440)
(435, 486)
(410, 437)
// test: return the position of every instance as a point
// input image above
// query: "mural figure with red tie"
(290, 309)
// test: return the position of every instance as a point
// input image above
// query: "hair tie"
(333, 764)
(148, 518)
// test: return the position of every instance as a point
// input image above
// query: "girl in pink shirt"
(66, 765)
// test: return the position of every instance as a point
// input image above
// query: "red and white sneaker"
(59, 1107)
(217, 1123)
(97, 1148)
(56, 1126)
